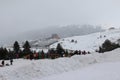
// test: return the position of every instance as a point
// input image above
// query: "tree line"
(16, 52)
(27, 53)
(108, 46)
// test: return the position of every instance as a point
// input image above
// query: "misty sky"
(17, 16)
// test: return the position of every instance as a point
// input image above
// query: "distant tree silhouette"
(16, 47)
(26, 49)
(3, 53)
(26, 45)
(72, 40)
(60, 50)
(108, 46)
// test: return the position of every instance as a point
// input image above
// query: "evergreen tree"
(60, 50)
(11, 54)
(108, 46)
(26, 49)
(26, 45)
(16, 47)
(4, 53)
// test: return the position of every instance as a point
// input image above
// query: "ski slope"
(89, 42)
(42, 69)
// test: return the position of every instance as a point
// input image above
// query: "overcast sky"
(17, 16)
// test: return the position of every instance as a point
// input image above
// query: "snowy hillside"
(62, 31)
(89, 42)
(39, 69)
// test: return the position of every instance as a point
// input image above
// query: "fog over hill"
(62, 31)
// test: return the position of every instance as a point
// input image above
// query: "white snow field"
(102, 71)
(93, 66)
(89, 42)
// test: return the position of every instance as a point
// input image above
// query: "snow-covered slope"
(89, 42)
(103, 71)
(38, 69)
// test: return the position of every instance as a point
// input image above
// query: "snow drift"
(103, 71)
(38, 69)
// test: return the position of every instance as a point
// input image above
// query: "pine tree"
(108, 46)
(4, 53)
(16, 47)
(26, 49)
(60, 50)
(26, 45)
